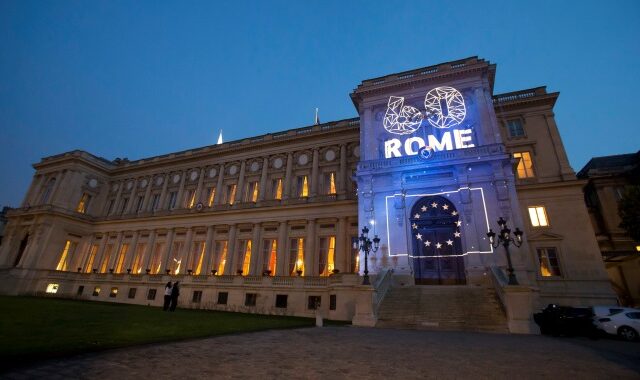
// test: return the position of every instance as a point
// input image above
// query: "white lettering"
(462, 137)
(392, 148)
(408, 145)
(444, 144)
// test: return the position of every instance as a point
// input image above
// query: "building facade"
(270, 224)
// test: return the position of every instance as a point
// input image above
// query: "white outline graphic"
(486, 217)
(446, 105)
(400, 119)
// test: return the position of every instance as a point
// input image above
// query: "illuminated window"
(66, 255)
(172, 199)
(276, 187)
(92, 256)
(221, 254)
(46, 193)
(355, 255)
(113, 293)
(155, 262)
(303, 186)
(330, 183)
(211, 196)
(296, 256)
(123, 205)
(525, 165)
(96, 291)
(52, 288)
(136, 267)
(197, 257)
(155, 201)
(515, 128)
(139, 203)
(327, 255)
(231, 193)
(549, 263)
(251, 192)
(190, 198)
(83, 204)
(106, 257)
(538, 216)
(121, 256)
(269, 254)
(175, 261)
(244, 252)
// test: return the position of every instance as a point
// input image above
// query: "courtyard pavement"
(354, 353)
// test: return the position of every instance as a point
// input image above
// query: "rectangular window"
(155, 202)
(136, 267)
(221, 256)
(155, 262)
(151, 294)
(525, 165)
(139, 203)
(211, 196)
(121, 256)
(332, 302)
(330, 183)
(96, 291)
(251, 192)
(327, 255)
(296, 256)
(106, 257)
(269, 254)
(355, 254)
(80, 290)
(222, 298)
(52, 288)
(172, 200)
(244, 254)
(281, 301)
(231, 193)
(175, 261)
(110, 206)
(132, 293)
(189, 198)
(250, 299)
(83, 204)
(276, 188)
(92, 256)
(66, 255)
(549, 264)
(515, 128)
(197, 296)
(303, 186)
(113, 293)
(123, 205)
(314, 302)
(538, 216)
(197, 257)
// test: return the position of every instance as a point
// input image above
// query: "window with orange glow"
(245, 254)
(277, 188)
(327, 255)
(296, 256)
(330, 183)
(231, 193)
(108, 251)
(92, 256)
(190, 198)
(221, 254)
(211, 196)
(121, 256)
(136, 267)
(198, 257)
(156, 258)
(269, 256)
(525, 165)
(66, 255)
(83, 204)
(549, 263)
(303, 186)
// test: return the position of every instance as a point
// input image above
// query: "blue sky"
(141, 78)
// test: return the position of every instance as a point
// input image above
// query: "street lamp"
(505, 239)
(366, 245)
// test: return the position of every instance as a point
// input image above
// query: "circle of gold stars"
(438, 245)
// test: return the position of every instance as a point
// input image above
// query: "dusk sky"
(142, 78)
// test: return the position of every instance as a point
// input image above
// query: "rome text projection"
(443, 125)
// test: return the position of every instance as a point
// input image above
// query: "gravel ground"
(354, 353)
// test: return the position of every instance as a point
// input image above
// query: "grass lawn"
(36, 328)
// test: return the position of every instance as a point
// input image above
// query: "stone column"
(132, 199)
(314, 174)
(229, 267)
(282, 260)
(256, 255)
(147, 194)
(340, 257)
(342, 181)
(179, 200)
(186, 258)
(287, 179)
(148, 252)
(310, 254)
(199, 188)
(163, 193)
(263, 179)
(240, 189)
(114, 256)
(209, 251)
(132, 251)
(216, 201)
(165, 255)
(116, 202)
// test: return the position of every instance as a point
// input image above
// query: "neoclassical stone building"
(268, 224)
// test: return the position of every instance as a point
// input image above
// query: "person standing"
(167, 296)
(175, 292)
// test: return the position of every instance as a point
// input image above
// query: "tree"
(629, 211)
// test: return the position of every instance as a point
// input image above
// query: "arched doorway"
(436, 242)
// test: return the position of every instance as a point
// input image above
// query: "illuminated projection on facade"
(444, 110)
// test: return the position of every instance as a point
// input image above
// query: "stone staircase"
(453, 308)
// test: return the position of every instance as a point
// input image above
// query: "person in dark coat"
(167, 296)
(175, 292)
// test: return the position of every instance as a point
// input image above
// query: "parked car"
(623, 322)
(564, 320)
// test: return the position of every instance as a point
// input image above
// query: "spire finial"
(220, 138)
(317, 119)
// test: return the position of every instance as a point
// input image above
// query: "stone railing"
(381, 286)
(518, 302)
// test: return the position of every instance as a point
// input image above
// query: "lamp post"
(366, 245)
(505, 239)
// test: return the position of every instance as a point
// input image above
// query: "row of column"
(234, 256)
